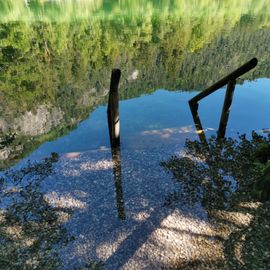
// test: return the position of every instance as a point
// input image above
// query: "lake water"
(56, 59)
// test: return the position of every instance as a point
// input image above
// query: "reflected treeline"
(66, 10)
(53, 73)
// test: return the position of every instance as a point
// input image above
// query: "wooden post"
(194, 110)
(226, 109)
(113, 109)
(117, 172)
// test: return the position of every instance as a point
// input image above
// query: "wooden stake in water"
(194, 110)
(226, 109)
(113, 109)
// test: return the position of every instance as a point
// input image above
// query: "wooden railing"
(231, 81)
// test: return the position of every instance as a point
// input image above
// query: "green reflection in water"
(56, 56)
(67, 10)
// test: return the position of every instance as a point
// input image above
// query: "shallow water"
(55, 65)
(147, 122)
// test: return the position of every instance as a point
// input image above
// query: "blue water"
(164, 110)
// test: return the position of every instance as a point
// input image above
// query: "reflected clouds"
(167, 133)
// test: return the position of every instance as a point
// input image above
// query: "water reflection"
(56, 57)
(55, 61)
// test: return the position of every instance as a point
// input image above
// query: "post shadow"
(117, 173)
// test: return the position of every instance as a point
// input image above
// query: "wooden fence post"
(226, 109)
(194, 110)
(113, 109)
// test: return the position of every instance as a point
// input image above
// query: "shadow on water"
(32, 228)
(31, 233)
(220, 175)
(228, 177)
(223, 178)
(59, 65)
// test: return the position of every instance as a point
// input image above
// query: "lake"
(108, 210)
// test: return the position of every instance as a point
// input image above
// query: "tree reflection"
(66, 65)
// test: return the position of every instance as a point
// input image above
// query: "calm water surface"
(55, 65)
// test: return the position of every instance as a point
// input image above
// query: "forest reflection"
(55, 71)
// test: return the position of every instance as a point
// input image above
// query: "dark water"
(55, 65)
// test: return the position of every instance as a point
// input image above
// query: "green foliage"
(66, 10)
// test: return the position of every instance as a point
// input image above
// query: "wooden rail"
(226, 109)
(231, 81)
(232, 76)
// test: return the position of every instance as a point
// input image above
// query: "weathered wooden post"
(226, 109)
(231, 81)
(117, 172)
(194, 110)
(113, 109)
